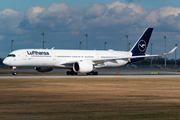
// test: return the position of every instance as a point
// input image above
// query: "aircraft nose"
(5, 61)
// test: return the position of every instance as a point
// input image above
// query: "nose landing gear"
(13, 71)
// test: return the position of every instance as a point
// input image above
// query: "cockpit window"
(11, 55)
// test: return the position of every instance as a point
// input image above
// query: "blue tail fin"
(141, 45)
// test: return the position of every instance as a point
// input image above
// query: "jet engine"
(82, 67)
(44, 69)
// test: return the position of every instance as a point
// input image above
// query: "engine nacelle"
(82, 67)
(44, 69)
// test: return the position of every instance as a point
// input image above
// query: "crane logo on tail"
(142, 45)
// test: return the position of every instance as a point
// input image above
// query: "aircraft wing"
(100, 61)
(148, 56)
(132, 57)
(68, 63)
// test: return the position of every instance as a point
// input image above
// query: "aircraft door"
(24, 56)
(97, 55)
(54, 56)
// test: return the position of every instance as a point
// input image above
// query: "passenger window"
(11, 55)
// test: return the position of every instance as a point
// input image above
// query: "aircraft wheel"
(72, 72)
(92, 73)
(95, 73)
(13, 73)
(68, 73)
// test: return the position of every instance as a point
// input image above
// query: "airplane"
(79, 61)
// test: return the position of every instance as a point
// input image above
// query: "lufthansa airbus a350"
(80, 61)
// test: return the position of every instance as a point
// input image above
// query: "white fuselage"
(61, 58)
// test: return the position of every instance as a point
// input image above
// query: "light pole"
(86, 41)
(43, 39)
(151, 53)
(127, 41)
(105, 45)
(12, 45)
(175, 55)
(129, 45)
(165, 52)
(80, 45)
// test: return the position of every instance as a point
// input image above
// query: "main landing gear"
(71, 72)
(75, 73)
(92, 73)
(13, 70)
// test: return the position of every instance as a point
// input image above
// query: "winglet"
(171, 51)
(147, 56)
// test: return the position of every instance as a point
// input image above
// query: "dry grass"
(86, 99)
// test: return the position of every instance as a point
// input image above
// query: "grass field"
(90, 99)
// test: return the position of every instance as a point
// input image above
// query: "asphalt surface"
(103, 73)
(110, 70)
(94, 76)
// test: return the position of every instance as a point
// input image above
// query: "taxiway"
(91, 76)
(103, 73)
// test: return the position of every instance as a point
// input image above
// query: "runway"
(90, 76)
(103, 73)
